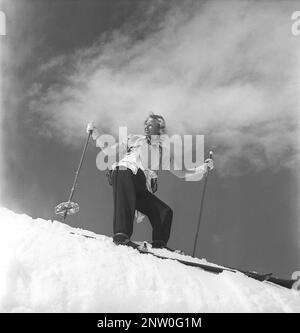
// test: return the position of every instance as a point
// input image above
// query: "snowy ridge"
(44, 268)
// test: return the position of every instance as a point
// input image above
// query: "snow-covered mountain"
(45, 268)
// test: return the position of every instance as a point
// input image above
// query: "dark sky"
(250, 221)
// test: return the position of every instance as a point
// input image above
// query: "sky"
(225, 69)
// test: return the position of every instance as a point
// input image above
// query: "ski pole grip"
(211, 154)
(90, 128)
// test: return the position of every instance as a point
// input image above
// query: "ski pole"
(69, 207)
(201, 205)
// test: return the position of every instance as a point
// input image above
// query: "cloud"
(228, 70)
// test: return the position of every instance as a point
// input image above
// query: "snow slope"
(43, 268)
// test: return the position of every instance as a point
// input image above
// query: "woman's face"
(152, 127)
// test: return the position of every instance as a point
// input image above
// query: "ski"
(257, 276)
(286, 283)
(253, 275)
(143, 249)
(212, 269)
(267, 277)
(82, 235)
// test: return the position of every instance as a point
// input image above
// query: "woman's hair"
(159, 118)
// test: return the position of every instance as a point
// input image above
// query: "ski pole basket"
(67, 208)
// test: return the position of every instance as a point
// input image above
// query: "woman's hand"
(91, 128)
(209, 164)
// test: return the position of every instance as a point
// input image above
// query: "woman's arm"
(195, 173)
(108, 146)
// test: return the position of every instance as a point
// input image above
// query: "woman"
(134, 182)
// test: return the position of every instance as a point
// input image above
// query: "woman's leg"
(159, 214)
(124, 204)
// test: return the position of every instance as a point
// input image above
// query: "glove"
(209, 164)
(91, 128)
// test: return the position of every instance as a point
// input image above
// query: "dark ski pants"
(130, 193)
